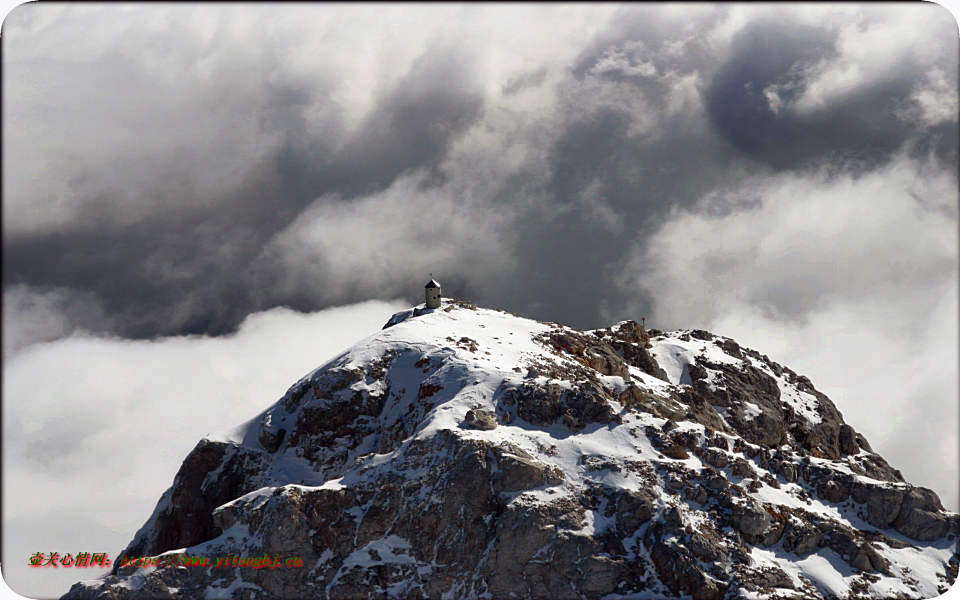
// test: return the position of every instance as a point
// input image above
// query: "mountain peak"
(470, 452)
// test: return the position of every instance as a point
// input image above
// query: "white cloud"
(629, 61)
(873, 43)
(94, 429)
(933, 101)
(383, 240)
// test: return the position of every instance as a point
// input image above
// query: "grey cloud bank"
(784, 175)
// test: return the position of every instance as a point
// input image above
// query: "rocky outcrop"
(608, 351)
(546, 405)
(738, 387)
(212, 474)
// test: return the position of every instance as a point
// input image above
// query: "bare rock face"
(921, 516)
(184, 515)
(466, 452)
(544, 406)
(739, 387)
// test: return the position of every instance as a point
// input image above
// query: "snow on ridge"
(677, 351)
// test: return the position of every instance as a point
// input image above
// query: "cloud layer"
(168, 164)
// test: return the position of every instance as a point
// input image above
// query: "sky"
(203, 202)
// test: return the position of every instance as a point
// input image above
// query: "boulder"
(516, 470)
(732, 348)
(773, 535)
(921, 516)
(633, 509)
(715, 457)
(481, 419)
(841, 539)
(750, 519)
(771, 577)
(706, 548)
(848, 440)
(868, 559)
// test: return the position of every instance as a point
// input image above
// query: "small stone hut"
(432, 293)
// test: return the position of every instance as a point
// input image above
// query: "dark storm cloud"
(411, 128)
(194, 269)
(773, 54)
(661, 106)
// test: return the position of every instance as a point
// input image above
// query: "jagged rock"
(699, 410)
(874, 467)
(881, 503)
(748, 386)
(270, 437)
(789, 471)
(840, 538)
(801, 538)
(537, 405)
(920, 516)
(590, 351)
(631, 342)
(848, 440)
(606, 361)
(545, 405)
(715, 457)
(481, 419)
(772, 535)
(184, 515)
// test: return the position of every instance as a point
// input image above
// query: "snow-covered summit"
(466, 452)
